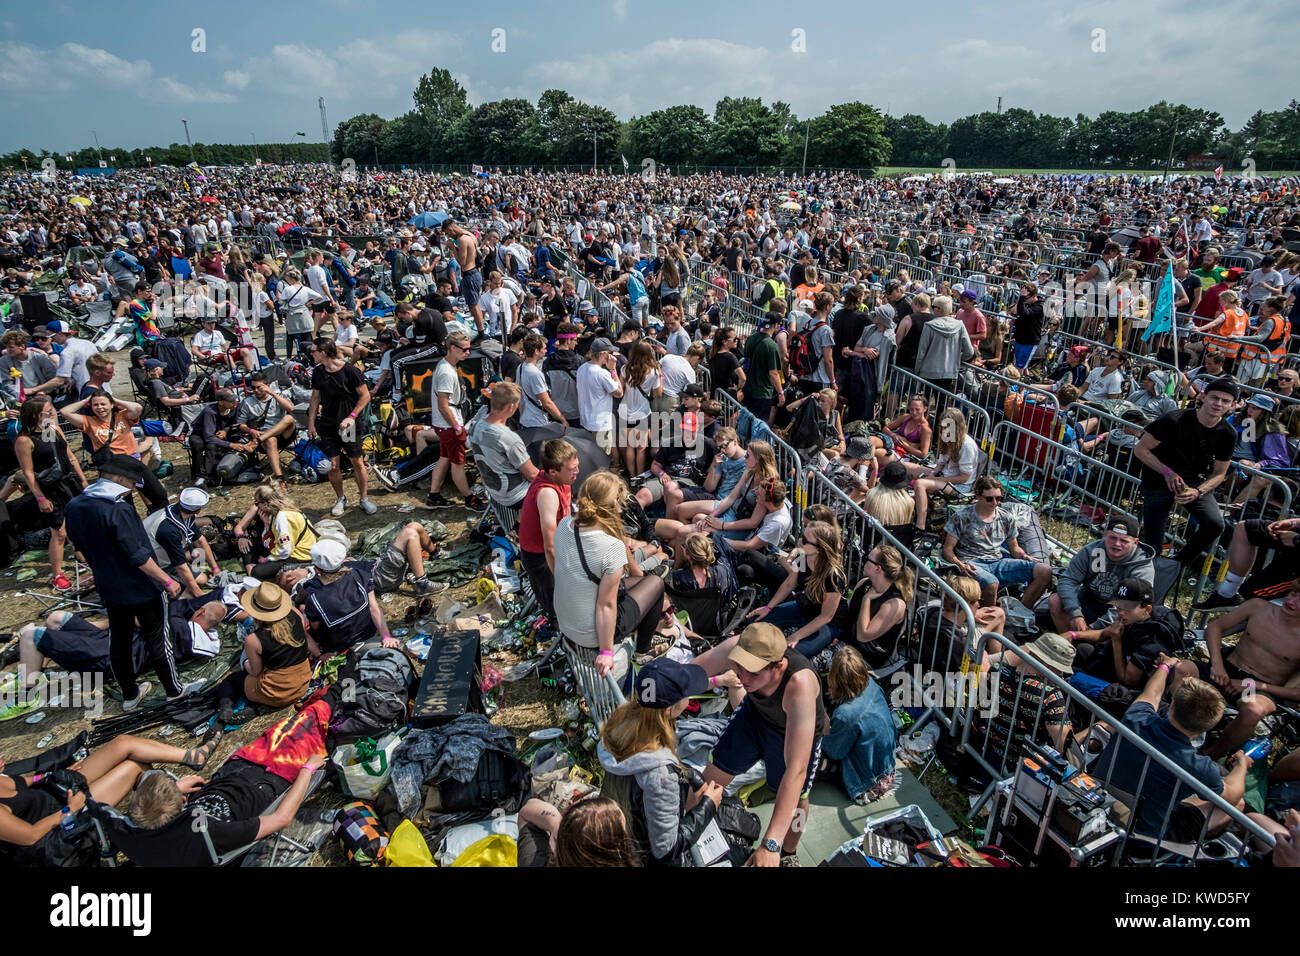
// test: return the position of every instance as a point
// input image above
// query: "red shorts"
(451, 444)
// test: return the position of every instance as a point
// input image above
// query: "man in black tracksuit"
(105, 527)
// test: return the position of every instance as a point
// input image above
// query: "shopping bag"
(364, 765)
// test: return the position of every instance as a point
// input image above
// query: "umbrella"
(427, 220)
(590, 458)
(207, 199)
(790, 205)
(79, 201)
(1003, 180)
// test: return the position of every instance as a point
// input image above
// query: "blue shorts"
(747, 740)
(1005, 571)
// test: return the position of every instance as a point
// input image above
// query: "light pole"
(97, 149)
(186, 124)
(804, 170)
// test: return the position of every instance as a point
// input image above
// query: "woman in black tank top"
(880, 605)
(52, 476)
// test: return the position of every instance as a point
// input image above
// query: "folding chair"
(602, 694)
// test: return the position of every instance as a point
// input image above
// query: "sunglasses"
(992, 497)
(871, 560)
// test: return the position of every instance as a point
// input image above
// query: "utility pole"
(97, 149)
(999, 106)
(324, 124)
(804, 170)
(1172, 136)
(186, 124)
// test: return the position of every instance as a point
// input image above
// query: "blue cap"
(663, 683)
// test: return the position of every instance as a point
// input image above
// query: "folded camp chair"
(117, 833)
(602, 694)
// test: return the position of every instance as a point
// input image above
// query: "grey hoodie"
(661, 793)
(1083, 579)
(945, 344)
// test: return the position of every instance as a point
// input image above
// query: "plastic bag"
(406, 847)
(365, 765)
(495, 850)
(459, 839)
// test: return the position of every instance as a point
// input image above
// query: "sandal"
(196, 757)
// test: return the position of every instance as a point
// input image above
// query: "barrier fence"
(902, 384)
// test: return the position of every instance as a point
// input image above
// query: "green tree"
(914, 141)
(441, 102)
(848, 136)
(671, 137)
(745, 133)
(505, 132)
(404, 140)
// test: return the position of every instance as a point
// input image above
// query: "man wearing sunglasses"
(981, 542)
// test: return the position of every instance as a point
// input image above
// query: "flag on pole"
(1218, 172)
(1162, 313)
(624, 163)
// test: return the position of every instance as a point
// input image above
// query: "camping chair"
(708, 615)
(1144, 850)
(117, 833)
(602, 694)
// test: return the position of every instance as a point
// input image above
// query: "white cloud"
(183, 93)
(620, 9)
(373, 75)
(236, 79)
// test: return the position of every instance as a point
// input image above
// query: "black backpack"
(803, 358)
(374, 693)
(500, 782)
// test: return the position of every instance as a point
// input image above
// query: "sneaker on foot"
(387, 477)
(476, 503)
(790, 859)
(200, 481)
(141, 691)
(1215, 600)
(187, 690)
(368, 506)
(436, 500)
(337, 510)
(423, 586)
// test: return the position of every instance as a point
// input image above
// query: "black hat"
(123, 465)
(1131, 593)
(1123, 525)
(1224, 384)
(693, 391)
(895, 475)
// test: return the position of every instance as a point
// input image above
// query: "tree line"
(442, 128)
(177, 154)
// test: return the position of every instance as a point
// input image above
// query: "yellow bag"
(495, 850)
(406, 847)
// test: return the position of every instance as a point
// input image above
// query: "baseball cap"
(663, 682)
(1131, 593)
(1224, 385)
(693, 391)
(759, 645)
(328, 555)
(601, 344)
(1233, 274)
(40, 333)
(1123, 526)
(969, 294)
(58, 326)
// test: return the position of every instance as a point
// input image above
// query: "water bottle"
(68, 821)
(1259, 748)
(348, 430)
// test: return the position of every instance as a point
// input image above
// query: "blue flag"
(1162, 314)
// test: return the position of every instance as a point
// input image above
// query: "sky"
(131, 71)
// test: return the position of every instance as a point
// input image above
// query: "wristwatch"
(771, 846)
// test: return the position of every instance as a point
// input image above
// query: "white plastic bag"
(363, 770)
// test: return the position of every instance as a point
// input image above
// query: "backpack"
(803, 358)
(376, 693)
(315, 464)
(501, 782)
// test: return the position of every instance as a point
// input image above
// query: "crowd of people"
(627, 366)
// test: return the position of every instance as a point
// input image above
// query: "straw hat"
(267, 602)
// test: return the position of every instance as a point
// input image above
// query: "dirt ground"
(525, 706)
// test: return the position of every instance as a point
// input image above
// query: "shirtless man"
(471, 280)
(1255, 675)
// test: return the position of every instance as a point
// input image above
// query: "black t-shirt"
(437, 326)
(439, 303)
(1188, 447)
(905, 357)
(338, 392)
(732, 257)
(510, 362)
(691, 461)
(846, 328)
(1142, 644)
(722, 369)
(1029, 322)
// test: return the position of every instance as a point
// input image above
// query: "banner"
(1162, 313)
(476, 169)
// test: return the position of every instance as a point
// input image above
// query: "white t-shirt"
(677, 374)
(776, 525)
(1099, 385)
(604, 555)
(206, 341)
(595, 386)
(967, 461)
(72, 361)
(636, 403)
(317, 280)
(446, 380)
(345, 334)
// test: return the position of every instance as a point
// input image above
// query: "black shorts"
(327, 438)
(1186, 824)
(696, 493)
(1235, 672)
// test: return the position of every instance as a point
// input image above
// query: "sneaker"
(60, 582)
(423, 586)
(387, 477)
(200, 481)
(1215, 600)
(339, 506)
(188, 690)
(790, 859)
(141, 691)
(476, 503)
(437, 500)
(367, 506)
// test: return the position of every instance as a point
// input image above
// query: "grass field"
(923, 170)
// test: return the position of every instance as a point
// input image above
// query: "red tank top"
(530, 521)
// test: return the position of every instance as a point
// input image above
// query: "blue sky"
(129, 71)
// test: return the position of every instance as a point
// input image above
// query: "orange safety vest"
(1276, 343)
(1235, 323)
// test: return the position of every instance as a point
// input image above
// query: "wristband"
(1074, 635)
(605, 654)
(170, 582)
(1168, 669)
(1167, 472)
(39, 498)
(767, 608)
(309, 768)
(385, 637)
(713, 683)
(240, 534)
(352, 414)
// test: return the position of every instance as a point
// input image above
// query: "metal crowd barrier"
(905, 384)
(790, 469)
(995, 744)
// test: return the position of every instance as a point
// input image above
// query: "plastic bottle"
(68, 821)
(1259, 748)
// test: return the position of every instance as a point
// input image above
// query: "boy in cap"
(1186, 454)
(176, 540)
(1085, 587)
(780, 721)
(598, 383)
(1126, 650)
